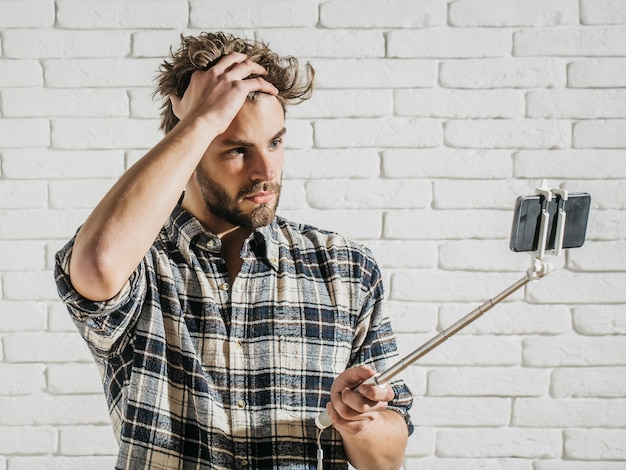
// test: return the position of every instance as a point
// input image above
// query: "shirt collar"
(187, 232)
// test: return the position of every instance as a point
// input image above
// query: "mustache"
(262, 187)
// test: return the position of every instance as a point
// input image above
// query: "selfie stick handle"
(539, 268)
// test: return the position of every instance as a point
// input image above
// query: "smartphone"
(527, 221)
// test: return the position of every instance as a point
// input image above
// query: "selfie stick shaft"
(540, 269)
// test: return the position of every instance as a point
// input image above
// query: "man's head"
(203, 51)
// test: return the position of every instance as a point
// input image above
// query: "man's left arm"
(373, 436)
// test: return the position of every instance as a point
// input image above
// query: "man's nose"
(263, 166)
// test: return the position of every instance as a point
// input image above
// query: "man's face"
(240, 175)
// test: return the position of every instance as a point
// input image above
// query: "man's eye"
(276, 143)
(236, 152)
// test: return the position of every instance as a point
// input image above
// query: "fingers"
(350, 405)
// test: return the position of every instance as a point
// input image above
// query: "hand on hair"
(216, 95)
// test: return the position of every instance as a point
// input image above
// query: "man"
(222, 330)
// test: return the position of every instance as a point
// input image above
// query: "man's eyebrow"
(245, 143)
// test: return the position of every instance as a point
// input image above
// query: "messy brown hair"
(203, 51)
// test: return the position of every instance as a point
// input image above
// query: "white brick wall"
(430, 117)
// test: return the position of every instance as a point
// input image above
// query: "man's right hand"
(216, 95)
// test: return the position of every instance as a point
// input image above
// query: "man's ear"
(175, 100)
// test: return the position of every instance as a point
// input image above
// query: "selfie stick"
(539, 268)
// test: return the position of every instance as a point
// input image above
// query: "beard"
(219, 203)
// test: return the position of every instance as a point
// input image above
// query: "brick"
(56, 164)
(517, 13)
(490, 381)
(574, 351)
(19, 133)
(576, 104)
(481, 255)
(53, 43)
(503, 73)
(603, 11)
(420, 444)
(466, 411)
(375, 132)
(102, 14)
(494, 443)
(293, 196)
(87, 440)
(544, 413)
(409, 317)
(251, 14)
(368, 194)
(511, 318)
(446, 163)
(143, 104)
(345, 103)
(576, 465)
(599, 256)
(331, 163)
(27, 14)
(22, 195)
(584, 288)
(600, 73)
(600, 319)
(508, 133)
(478, 194)
(27, 102)
(589, 382)
(22, 316)
(19, 73)
(21, 255)
(300, 134)
(404, 253)
(352, 224)
(45, 347)
(595, 444)
(607, 225)
(21, 379)
(448, 43)
(326, 43)
(600, 134)
(569, 163)
(103, 72)
(59, 319)
(78, 194)
(570, 42)
(446, 225)
(104, 133)
(74, 378)
(435, 286)
(33, 223)
(29, 285)
(28, 440)
(374, 73)
(383, 14)
(43, 409)
(66, 463)
(605, 194)
(455, 463)
(460, 103)
(155, 43)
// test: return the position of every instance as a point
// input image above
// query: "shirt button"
(243, 462)
(241, 404)
(239, 344)
(224, 286)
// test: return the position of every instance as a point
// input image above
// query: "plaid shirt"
(202, 373)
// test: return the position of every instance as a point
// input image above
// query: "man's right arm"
(123, 226)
